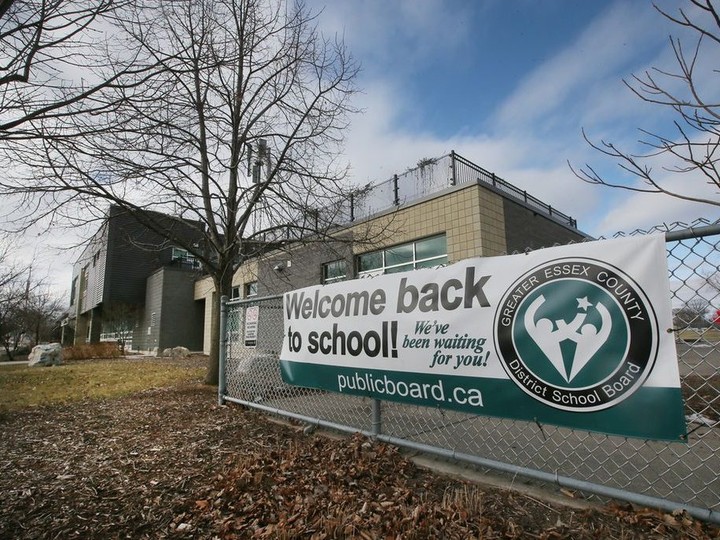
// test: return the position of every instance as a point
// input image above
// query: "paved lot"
(699, 359)
(14, 363)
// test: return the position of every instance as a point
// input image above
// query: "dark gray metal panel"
(180, 317)
(527, 229)
(153, 311)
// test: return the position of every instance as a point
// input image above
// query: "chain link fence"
(650, 473)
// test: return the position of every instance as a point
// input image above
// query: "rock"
(175, 352)
(47, 354)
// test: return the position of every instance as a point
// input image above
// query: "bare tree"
(693, 314)
(232, 117)
(4, 6)
(12, 293)
(712, 278)
(121, 320)
(40, 314)
(51, 58)
(694, 147)
(27, 308)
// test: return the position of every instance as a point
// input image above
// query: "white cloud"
(645, 210)
(580, 86)
(376, 148)
(600, 52)
(399, 35)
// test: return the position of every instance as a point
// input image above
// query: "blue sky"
(510, 85)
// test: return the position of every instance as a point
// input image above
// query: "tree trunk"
(223, 286)
(7, 351)
(213, 372)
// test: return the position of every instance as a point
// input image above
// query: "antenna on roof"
(263, 159)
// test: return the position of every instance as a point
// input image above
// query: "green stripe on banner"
(652, 413)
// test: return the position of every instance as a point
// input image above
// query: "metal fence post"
(453, 178)
(223, 350)
(376, 417)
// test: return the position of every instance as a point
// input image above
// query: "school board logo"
(576, 334)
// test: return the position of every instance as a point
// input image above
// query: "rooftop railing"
(430, 176)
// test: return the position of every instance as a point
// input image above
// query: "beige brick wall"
(471, 217)
(245, 274)
(492, 223)
(205, 289)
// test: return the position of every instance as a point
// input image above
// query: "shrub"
(106, 349)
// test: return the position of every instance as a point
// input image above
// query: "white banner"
(568, 334)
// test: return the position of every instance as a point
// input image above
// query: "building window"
(424, 253)
(251, 289)
(184, 257)
(334, 271)
(235, 293)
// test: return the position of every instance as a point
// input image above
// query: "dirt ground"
(170, 463)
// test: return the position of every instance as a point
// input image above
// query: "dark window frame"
(326, 278)
(403, 265)
(250, 289)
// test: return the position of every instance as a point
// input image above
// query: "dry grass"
(694, 335)
(170, 463)
(92, 350)
(22, 386)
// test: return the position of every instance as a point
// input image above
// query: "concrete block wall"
(301, 266)
(148, 334)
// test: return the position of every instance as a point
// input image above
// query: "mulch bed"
(170, 463)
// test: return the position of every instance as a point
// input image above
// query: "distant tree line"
(29, 313)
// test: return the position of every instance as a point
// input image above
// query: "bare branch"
(693, 148)
(227, 113)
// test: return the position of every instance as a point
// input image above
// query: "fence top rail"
(693, 232)
(252, 300)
